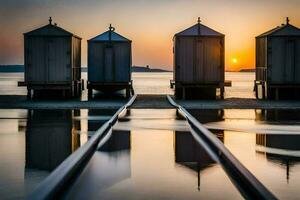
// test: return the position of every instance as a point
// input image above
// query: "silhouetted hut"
(109, 63)
(198, 62)
(278, 62)
(52, 58)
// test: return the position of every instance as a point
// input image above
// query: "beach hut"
(278, 63)
(198, 62)
(52, 58)
(109, 63)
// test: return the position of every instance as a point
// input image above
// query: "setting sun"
(234, 60)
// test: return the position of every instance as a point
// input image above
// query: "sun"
(234, 60)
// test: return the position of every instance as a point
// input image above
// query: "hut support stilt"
(222, 92)
(263, 90)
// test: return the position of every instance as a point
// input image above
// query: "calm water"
(34, 142)
(151, 153)
(145, 83)
(267, 142)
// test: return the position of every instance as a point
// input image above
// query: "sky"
(150, 24)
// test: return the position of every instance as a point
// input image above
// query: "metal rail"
(245, 181)
(53, 185)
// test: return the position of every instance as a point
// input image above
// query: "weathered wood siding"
(95, 62)
(261, 58)
(76, 58)
(48, 59)
(199, 59)
(35, 59)
(283, 60)
(109, 62)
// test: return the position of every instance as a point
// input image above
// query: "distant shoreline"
(20, 68)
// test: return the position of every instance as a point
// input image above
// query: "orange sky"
(149, 24)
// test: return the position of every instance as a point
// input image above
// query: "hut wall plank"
(261, 58)
(212, 62)
(297, 60)
(276, 60)
(109, 64)
(59, 59)
(36, 59)
(199, 59)
(122, 62)
(95, 62)
(184, 59)
(76, 58)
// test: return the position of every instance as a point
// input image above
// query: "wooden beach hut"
(198, 62)
(278, 63)
(52, 58)
(109, 63)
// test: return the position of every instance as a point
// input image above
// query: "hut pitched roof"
(199, 30)
(110, 36)
(50, 30)
(283, 30)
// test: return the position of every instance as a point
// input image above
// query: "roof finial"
(111, 28)
(287, 20)
(50, 20)
(199, 20)
(199, 26)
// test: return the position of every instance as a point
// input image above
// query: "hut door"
(109, 68)
(290, 61)
(51, 60)
(58, 60)
(198, 68)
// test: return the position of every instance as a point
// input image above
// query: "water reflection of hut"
(110, 165)
(278, 62)
(109, 63)
(272, 115)
(97, 117)
(210, 115)
(48, 138)
(119, 140)
(190, 154)
(282, 149)
(207, 115)
(52, 61)
(198, 62)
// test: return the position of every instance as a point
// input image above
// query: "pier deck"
(144, 101)
(21, 102)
